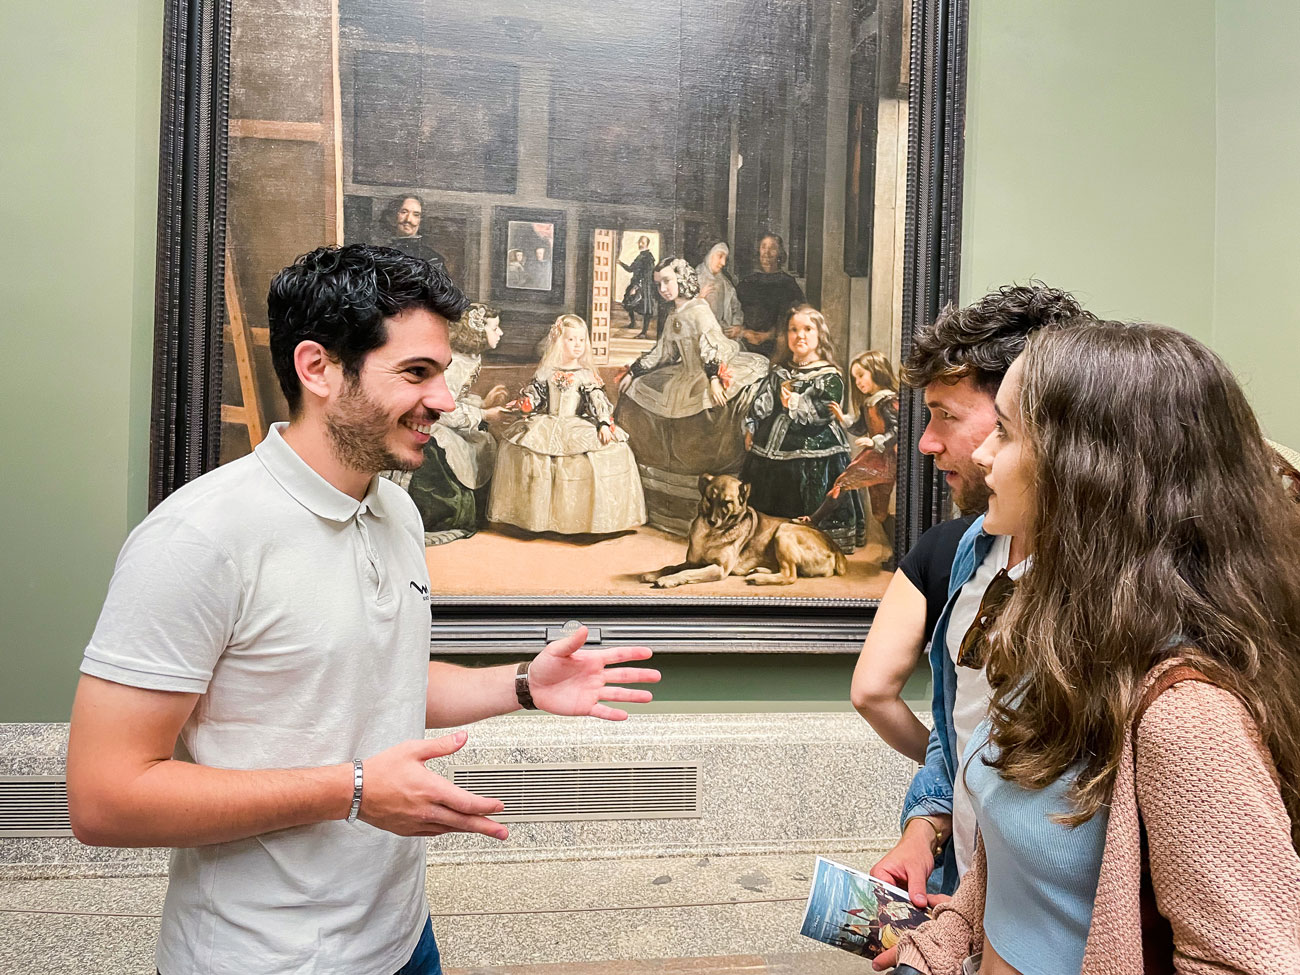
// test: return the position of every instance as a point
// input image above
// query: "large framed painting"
(654, 203)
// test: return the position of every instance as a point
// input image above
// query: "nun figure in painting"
(450, 487)
(639, 298)
(716, 288)
(797, 446)
(682, 401)
(565, 466)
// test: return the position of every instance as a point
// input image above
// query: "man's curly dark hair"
(340, 296)
(982, 339)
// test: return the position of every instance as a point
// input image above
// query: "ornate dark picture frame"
(191, 317)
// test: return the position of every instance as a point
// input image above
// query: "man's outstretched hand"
(570, 678)
(403, 796)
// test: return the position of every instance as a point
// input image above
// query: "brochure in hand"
(852, 910)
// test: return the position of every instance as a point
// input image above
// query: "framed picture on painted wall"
(528, 254)
(639, 198)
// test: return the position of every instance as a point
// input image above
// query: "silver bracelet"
(356, 790)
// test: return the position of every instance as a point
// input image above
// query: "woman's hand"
(497, 396)
(749, 440)
(839, 415)
(605, 433)
(716, 392)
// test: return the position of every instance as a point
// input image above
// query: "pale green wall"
(1257, 260)
(79, 104)
(1092, 162)
(1090, 154)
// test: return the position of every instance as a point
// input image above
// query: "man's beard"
(971, 495)
(358, 431)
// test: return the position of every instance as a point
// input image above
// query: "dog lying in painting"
(728, 537)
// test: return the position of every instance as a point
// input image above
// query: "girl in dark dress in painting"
(873, 428)
(797, 447)
(639, 298)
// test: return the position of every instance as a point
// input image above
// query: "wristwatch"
(523, 692)
(907, 970)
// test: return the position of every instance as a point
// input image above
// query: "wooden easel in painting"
(328, 135)
(243, 338)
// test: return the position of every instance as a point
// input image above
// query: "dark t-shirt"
(928, 565)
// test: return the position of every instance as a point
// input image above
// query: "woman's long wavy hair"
(1158, 530)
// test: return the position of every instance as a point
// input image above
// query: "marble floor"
(676, 916)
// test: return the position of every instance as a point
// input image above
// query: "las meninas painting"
(680, 226)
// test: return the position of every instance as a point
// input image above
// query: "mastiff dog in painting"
(728, 537)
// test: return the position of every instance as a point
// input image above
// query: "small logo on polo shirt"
(422, 590)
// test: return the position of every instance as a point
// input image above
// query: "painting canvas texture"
(681, 227)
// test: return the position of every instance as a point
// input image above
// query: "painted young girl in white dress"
(564, 466)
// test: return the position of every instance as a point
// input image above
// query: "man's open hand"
(569, 678)
(402, 796)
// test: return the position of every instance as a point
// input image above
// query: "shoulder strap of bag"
(1174, 675)
(1157, 935)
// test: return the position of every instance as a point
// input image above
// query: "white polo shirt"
(301, 618)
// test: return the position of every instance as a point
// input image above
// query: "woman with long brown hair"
(1144, 729)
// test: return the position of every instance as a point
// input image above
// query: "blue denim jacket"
(931, 790)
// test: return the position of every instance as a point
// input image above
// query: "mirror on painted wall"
(682, 228)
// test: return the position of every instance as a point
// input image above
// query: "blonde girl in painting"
(564, 466)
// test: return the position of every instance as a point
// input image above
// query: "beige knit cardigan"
(1223, 867)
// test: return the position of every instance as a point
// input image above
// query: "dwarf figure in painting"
(565, 466)
(797, 447)
(450, 487)
(767, 295)
(639, 298)
(716, 288)
(402, 219)
(683, 400)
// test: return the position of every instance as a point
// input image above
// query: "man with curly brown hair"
(958, 362)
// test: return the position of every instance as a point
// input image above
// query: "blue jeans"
(424, 960)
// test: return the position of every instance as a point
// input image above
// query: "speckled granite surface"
(771, 784)
(549, 913)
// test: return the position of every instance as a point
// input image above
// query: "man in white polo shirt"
(256, 691)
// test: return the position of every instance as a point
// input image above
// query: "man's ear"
(317, 370)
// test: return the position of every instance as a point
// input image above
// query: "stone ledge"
(770, 784)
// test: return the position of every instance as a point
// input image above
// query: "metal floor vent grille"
(635, 790)
(34, 805)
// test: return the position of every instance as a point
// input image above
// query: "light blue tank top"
(1042, 876)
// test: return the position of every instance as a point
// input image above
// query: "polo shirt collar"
(308, 488)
